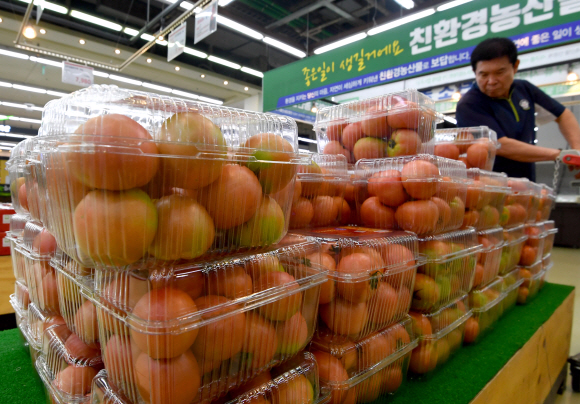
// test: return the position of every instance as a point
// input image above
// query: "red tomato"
(478, 155)
(417, 216)
(335, 147)
(286, 307)
(334, 130)
(44, 243)
(404, 142)
(260, 341)
(375, 123)
(447, 150)
(387, 186)
(325, 211)
(374, 214)
(383, 305)
(344, 317)
(327, 289)
(75, 380)
(292, 335)
(419, 178)
(231, 282)
(301, 214)
(351, 134)
(406, 114)
(364, 286)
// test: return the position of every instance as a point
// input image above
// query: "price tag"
(77, 74)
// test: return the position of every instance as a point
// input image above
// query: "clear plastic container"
(517, 203)
(424, 194)
(318, 199)
(488, 259)
(79, 313)
(38, 241)
(440, 335)
(220, 323)
(514, 239)
(21, 315)
(41, 281)
(534, 246)
(475, 146)
(18, 264)
(33, 176)
(21, 294)
(530, 286)
(534, 207)
(392, 125)
(373, 369)
(449, 269)
(550, 231)
(218, 165)
(485, 198)
(17, 224)
(39, 321)
(547, 261)
(69, 365)
(102, 392)
(371, 276)
(545, 273)
(487, 305)
(511, 284)
(547, 202)
(15, 167)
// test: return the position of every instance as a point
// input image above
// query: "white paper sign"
(206, 21)
(176, 42)
(77, 74)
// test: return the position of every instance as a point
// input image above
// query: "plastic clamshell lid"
(326, 167)
(19, 152)
(514, 234)
(550, 227)
(83, 274)
(548, 192)
(336, 239)
(534, 268)
(547, 260)
(38, 241)
(17, 224)
(461, 135)
(521, 186)
(18, 309)
(39, 321)
(493, 238)
(102, 392)
(511, 280)
(489, 179)
(65, 115)
(535, 230)
(486, 297)
(447, 318)
(460, 244)
(55, 395)
(60, 346)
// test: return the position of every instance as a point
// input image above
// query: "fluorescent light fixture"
(303, 139)
(408, 4)
(56, 93)
(252, 72)
(13, 54)
(15, 118)
(194, 52)
(147, 37)
(130, 31)
(224, 62)
(401, 21)
(100, 74)
(46, 61)
(16, 135)
(340, 43)
(8, 144)
(223, 3)
(160, 42)
(157, 87)
(184, 94)
(22, 106)
(49, 6)
(239, 27)
(6, 148)
(4, 84)
(184, 4)
(96, 20)
(198, 10)
(125, 80)
(452, 4)
(284, 47)
(210, 100)
(28, 88)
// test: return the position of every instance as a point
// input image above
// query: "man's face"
(494, 77)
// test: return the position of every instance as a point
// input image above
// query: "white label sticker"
(6, 219)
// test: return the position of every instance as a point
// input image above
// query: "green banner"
(437, 42)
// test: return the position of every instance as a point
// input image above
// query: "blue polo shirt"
(513, 117)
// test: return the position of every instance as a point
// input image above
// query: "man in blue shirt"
(507, 106)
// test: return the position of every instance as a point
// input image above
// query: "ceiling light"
(184, 4)
(252, 72)
(6, 148)
(456, 96)
(130, 31)
(194, 52)
(223, 3)
(210, 100)
(96, 20)
(149, 60)
(408, 4)
(21, 106)
(226, 82)
(314, 109)
(340, 43)
(177, 68)
(572, 77)
(184, 94)
(29, 32)
(13, 54)
(46, 61)
(4, 84)
(56, 93)
(147, 37)
(42, 31)
(82, 41)
(118, 51)
(238, 27)
(160, 37)
(246, 88)
(125, 79)
(284, 47)
(28, 88)
(49, 6)
(401, 21)
(452, 4)
(304, 139)
(203, 76)
(100, 74)
(15, 118)
(17, 135)
(8, 144)
(157, 87)
(224, 62)
(161, 42)
(1, 19)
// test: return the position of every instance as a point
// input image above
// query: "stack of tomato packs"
(475, 146)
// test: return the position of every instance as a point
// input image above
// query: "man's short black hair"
(494, 48)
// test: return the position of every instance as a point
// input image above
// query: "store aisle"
(566, 270)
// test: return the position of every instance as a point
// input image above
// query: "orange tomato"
(351, 134)
(335, 147)
(286, 307)
(301, 214)
(75, 380)
(417, 216)
(471, 330)
(80, 351)
(374, 349)
(331, 370)
(120, 355)
(478, 155)
(292, 335)
(260, 341)
(387, 186)
(325, 211)
(334, 131)
(344, 317)
(423, 358)
(327, 289)
(231, 282)
(392, 378)
(374, 214)
(363, 267)
(85, 322)
(419, 178)
(447, 150)
(375, 125)
(383, 305)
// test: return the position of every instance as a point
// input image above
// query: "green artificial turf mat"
(19, 382)
(472, 367)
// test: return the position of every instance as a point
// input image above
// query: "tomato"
(369, 389)
(325, 211)
(374, 349)
(327, 289)
(80, 351)
(489, 217)
(426, 293)
(168, 381)
(344, 212)
(292, 335)
(231, 282)
(479, 273)
(374, 214)
(218, 340)
(193, 283)
(331, 370)
(48, 294)
(383, 305)
(85, 322)
(404, 142)
(528, 256)
(387, 186)
(351, 134)
(260, 341)
(296, 390)
(370, 148)
(44, 243)
(285, 307)
(263, 265)
(463, 140)
(335, 147)
(344, 317)
(471, 330)
(375, 123)
(471, 218)
(301, 214)
(75, 380)
(392, 378)
(423, 358)
(163, 305)
(444, 213)
(366, 273)
(419, 179)
(421, 324)
(334, 131)
(120, 354)
(406, 114)
(266, 227)
(447, 150)
(133, 165)
(478, 155)
(417, 216)
(185, 231)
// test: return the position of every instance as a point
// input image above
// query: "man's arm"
(521, 151)
(570, 129)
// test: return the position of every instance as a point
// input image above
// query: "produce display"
(488, 259)
(547, 202)
(448, 271)
(550, 231)
(534, 208)
(531, 284)
(511, 284)
(547, 262)
(319, 193)
(370, 278)
(39, 321)
(485, 198)
(424, 194)
(517, 203)
(475, 146)
(514, 239)
(440, 335)
(368, 370)
(487, 307)
(534, 245)
(392, 125)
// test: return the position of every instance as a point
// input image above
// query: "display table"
(518, 362)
